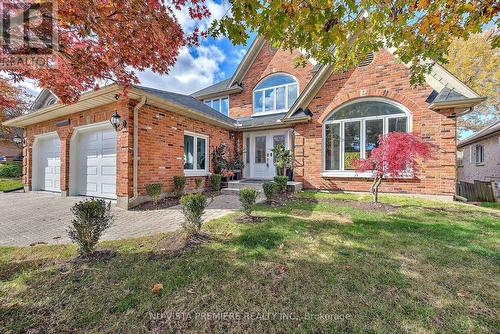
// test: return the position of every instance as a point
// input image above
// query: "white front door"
(262, 159)
(97, 163)
(49, 164)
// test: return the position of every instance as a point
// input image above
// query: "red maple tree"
(102, 41)
(397, 155)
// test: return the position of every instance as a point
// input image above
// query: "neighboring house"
(478, 156)
(326, 119)
(9, 151)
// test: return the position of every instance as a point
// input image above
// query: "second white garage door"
(97, 150)
(49, 164)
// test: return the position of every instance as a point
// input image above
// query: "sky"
(196, 68)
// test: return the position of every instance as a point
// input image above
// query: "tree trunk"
(374, 188)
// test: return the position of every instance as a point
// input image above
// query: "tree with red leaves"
(103, 41)
(397, 155)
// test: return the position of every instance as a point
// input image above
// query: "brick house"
(478, 156)
(326, 119)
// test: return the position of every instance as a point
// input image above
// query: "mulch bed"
(168, 202)
(174, 245)
(381, 207)
(249, 219)
(98, 255)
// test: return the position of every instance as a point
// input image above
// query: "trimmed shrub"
(11, 170)
(270, 190)
(179, 184)
(92, 218)
(248, 196)
(281, 181)
(216, 181)
(197, 183)
(193, 207)
(154, 190)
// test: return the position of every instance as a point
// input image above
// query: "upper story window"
(221, 104)
(51, 102)
(479, 154)
(353, 130)
(275, 93)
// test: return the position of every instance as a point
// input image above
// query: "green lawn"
(422, 267)
(7, 184)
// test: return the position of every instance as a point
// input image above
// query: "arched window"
(351, 132)
(275, 93)
(51, 101)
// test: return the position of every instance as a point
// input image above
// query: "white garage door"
(49, 164)
(98, 163)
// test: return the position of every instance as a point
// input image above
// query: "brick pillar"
(28, 163)
(65, 133)
(124, 157)
(447, 154)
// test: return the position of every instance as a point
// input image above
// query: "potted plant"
(284, 160)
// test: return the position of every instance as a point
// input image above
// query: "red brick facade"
(267, 62)
(384, 77)
(161, 132)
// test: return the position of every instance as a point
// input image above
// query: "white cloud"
(189, 73)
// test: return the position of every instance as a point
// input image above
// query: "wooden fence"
(479, 191)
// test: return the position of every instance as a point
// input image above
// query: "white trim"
(351, 173)
(263, 90)
(74, 153)
(220, 98)
(35, 160)
(195, 171)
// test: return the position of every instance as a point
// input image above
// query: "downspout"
(136, 149)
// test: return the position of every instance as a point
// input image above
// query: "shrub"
(154, 190)
(198, 182)
(92, 218)
(270, 189)
(281, 181)
(11, 170)
(215, 181)
(193, 207)
(179, 184)
(248, 196)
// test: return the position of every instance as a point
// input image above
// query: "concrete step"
(240, 184)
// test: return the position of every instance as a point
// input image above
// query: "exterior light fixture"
(117, 122)
(17, 140)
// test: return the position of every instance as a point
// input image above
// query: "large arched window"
(275, 93)
(351, 132)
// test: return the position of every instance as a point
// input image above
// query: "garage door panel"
(49, 163)
(98, 158)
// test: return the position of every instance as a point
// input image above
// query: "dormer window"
(221, 104)
(275, 93)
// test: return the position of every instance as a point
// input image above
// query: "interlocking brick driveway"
(27, 218)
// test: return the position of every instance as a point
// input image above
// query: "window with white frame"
(195, 153)
(275, 93)
(352, 131)
(479, 154)
(460, 158)
(221, 104)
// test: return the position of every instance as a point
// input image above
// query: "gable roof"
(182, 104)
(451, 92)
(485, 132)
(188, 102)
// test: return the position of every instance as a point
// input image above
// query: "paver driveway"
(27, 218)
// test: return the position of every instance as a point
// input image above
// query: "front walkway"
(27, 218)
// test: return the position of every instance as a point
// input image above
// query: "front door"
(262, 160)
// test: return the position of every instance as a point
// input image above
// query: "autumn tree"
(478, 65)
(338, 32)
(397, 155)
(13, 103)
(103, 41)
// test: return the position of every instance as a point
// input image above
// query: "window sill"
(257, 114)
(480, 164)
(354, 174)
(347, 174)
(188, 172)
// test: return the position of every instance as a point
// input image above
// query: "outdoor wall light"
(18, 140)
(116, 121)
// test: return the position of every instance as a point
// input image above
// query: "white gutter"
(136, 148)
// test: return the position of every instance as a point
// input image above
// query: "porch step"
(234, 186)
